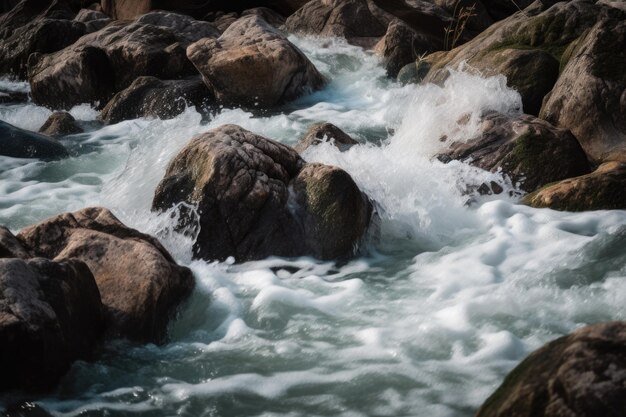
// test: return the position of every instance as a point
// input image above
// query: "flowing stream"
(448, 295)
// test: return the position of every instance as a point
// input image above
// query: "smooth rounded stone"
(590, 96)
(528, 150)
(525, 47)
(240, 183)
(252, 64)
(41, 36)
(107, 61)
(402, 45)
(151, 97)
(579, 375)
(20, 143)
(413, 73)
(50, 316)
(139, 282)
(320, 132)
(187, 27)
(602, 189)
(335, 213)
(349, 19)
(60, 123)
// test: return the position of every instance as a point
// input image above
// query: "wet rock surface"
(20, 143)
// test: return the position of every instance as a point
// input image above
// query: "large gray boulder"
(579, 375)
(139, 282)
(252, 64)
(241, 182)
(20, 143)
(590, 95)
(528, 150)
(50, 316)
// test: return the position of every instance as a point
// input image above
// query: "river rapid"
(448, 294)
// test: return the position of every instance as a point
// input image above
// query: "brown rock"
(240, 183)
(60, 123)
(50, 316)
(579, 375)
(590, 96)
(139, 282)
(10, 247)
(603, 189)
(254, 64)
(526, 149)
(319, 132)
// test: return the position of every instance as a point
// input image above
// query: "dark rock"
(269, 15)
(13, 97)
(130, 9)
(603, 189)
(50, 315)
(28, 11)
(252, 64)
(102, 63)
(151, 97)
(139, 282)
(350, 19)
(60, 123)
(26, 409)
(320, 132)
(94, 20)
(41, 36)
(424, 17)
(184, 26)
(10, 247)
(222, 21)
(240, 183)
(413, 73)
(526, 149)
(590, 95)
(579, 375)
(20, 143)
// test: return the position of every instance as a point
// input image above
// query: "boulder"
(50, 316)
(151, 97)
(320, 132)
(252, 64)
(60, 123)
(20, 143)
(579, 375)
(221, 20)
(423, 16)
(413, 73)
(130, 9)
(240, 183)
(184, 26)
(526, 47)
(602, 189)
(27, 11)
(269, 15)
(590, 95)
(109, 60)
(94, 20)
(526, 149)
(10, 247)
(349, 19)
(41, 36)
(139, 282)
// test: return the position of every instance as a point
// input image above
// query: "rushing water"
(447, 296)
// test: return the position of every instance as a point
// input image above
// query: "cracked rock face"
(50, 315)
(256, 198)
(252, 63)
(579, 375)
(139, 282)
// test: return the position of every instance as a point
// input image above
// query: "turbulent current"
(448, 294)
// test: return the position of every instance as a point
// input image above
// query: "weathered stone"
(151, 97)
(60, 123)
(27, 11)
(413, 73)
(269, 15)
(590, 95)
(50, 315)
(94, 20)
(184, 26)
(20, 143)
(603, 189)
(139, 282)
(528, 150)
(579, 375)
(320, 132)
(10, 247)
(252, 64)
(240, 183)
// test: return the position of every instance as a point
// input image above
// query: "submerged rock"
(60, 123)
(241, 185)
(139, 282)
(603, 189)
(590, 96)
(252, 64)
(20, 143)
(50, 316)
(151, 97)
(579, 375)
(320, 132)
(527, 149)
